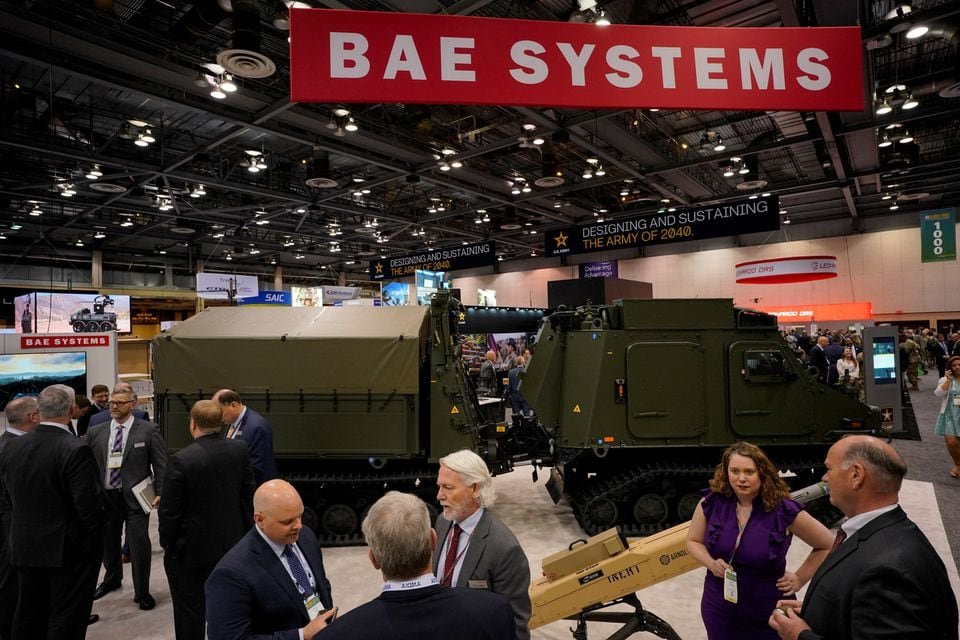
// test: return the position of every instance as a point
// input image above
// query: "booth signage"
(49, 341)
(787, 270)
(339, 294)
(219, 286)
(688, 223)
(268, 298)
(938, 235)
(481, 254)
(606, 269)
(821, 312)
(361, 56)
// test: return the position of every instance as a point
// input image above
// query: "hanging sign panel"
(689, 223)
(481, 254)
(938, 235)
(362, 56)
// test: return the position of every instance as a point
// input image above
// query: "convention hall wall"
(882, 268)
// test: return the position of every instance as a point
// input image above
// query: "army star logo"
(378, 268)
(561, 240)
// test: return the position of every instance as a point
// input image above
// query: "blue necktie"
(296, 568)
(117, 447)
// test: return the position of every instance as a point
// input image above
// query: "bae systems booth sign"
(689, 223)
(361, 56)
(481, 254)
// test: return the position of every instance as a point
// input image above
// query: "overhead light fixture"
(786, 220)
(884, 108)
(447, 151)
(587, 174)
(141, 141)
(79, 242)
(198, 191)
(906, 137)
(36, 212)
(68, 191)
(886, 196)
(444, 166)
(744, 170)
(600, 172)
(456, 164)
(602, 19)
(917, 31)
(728, 173)
(910, 102)
(341, 112)
(538, 141)
(351, 125)
(885, 141)
(486, 217)
(478, 220)
(218, 93)
(99, 235)
(94, 173)
(719, 146)
(227, 84)
(894, 206)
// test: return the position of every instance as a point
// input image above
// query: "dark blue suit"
(256, 432)
(885, 581)
(250, 595)
(430, 613)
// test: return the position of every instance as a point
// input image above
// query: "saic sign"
(359, 56)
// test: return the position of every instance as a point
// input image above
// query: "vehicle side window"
(763, 365)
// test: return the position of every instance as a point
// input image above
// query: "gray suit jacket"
(495, 557)
(143, 450)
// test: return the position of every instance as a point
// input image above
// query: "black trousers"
(9, 592)
(138, 538)
(55, 602)
(186, 591)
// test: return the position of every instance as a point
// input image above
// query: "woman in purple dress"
(740, 532)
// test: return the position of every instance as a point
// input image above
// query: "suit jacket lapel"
(443, 528)
(478, 542)
(129, 443)
(272, 565)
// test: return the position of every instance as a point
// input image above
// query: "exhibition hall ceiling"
(112, 140)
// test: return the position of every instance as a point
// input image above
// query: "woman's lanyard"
(736, 545)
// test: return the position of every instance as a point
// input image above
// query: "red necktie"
(450, 563)
(841, 536)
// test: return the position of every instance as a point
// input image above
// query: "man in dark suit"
(99, 401)
(207, 507)
(413, 605)
(818, 358)
(940, 352)
(128, 450)
(476, 549)
(23, 414)
(833, 352)
(883, 578)
(52, 484)
(243, 423)
(271, 585)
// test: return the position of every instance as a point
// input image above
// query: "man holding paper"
(128, 450)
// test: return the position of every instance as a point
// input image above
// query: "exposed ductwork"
(200, 20)
(243, 58)
(318, 176)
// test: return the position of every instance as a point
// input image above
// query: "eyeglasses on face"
(119, 403)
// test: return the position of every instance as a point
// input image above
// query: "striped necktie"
(117, 448)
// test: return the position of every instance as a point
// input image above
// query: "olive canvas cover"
(349, 350)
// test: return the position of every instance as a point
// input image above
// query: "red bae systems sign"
(361, 56)
(56, 342)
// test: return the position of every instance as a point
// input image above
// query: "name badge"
(478, 584)
(314, 606)
(956, 401)
(114, 460)
(730, 586)
(137, 445)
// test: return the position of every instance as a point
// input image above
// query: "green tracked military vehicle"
(361, 400)
(642, 396)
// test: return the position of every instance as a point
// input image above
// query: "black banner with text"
(481, 254)
(687, 223)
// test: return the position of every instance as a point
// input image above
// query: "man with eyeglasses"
(104, 415)
(128, 450)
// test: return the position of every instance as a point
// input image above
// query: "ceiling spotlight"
(36, 212)
(227, 84)
(894, 206)
(444, 166)
(94, 173)
(602, 19)
(447, 151)
(79, 242)
(719, 146)
(456, 164)
(351, 125)
(910, 102)
(515, 191)
(218, 93)
(884, 141)
(478, 220)
(538, 141)
(201, 80)
(728, 173)
(99, 235)
(253, 168)
(68, 191)
(126, 223)
(886, 196)
(148, 137)
(906, 137)
(587, 174)
(198, 191)
(140, 141)
(261, 164)
(341, 112)
(786, 220)
(600, 172)
(486, 217)
(884, 108)
(229, 258)
(744, 170)
(917, 31)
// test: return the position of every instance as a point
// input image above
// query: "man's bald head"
(23, 413)
(885, 466)
(277, 509)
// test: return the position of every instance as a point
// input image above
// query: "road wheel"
(338, 520)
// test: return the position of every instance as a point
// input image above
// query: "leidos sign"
(359, 56)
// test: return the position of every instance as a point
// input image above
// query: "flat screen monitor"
(29, 373)
(81, 313)
(884, 360)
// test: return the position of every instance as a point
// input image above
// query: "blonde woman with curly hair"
(740, 532)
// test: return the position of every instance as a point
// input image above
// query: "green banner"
(938, 235)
